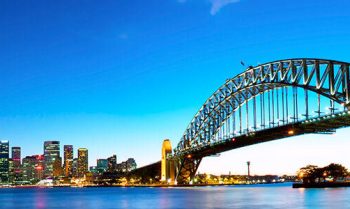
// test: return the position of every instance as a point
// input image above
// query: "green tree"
(307, 173)
(335, 171)
(311, 173)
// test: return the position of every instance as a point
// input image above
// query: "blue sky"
(120, 76)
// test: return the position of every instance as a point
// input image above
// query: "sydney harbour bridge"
(271, 101)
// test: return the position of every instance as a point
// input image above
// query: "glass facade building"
(4, 162)
(83, 159)
(32, 168)
(112, 163)
(16, 159)
(51, 154)
(102, 165)
(68, 160)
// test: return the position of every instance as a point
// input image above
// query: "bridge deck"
(322, 125)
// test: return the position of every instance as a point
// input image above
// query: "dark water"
(253, 196)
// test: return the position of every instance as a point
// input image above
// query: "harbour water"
(245, 196)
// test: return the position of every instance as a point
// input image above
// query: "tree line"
(314, 174)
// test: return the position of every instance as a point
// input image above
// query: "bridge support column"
(167, 164)
(186, 169)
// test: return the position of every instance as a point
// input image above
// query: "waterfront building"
(16, 158)
(82, 161)
(39, 167)
(29, 169)
(93, 169)
(11, 171)
(4, 162)
(68, 160)
(102, 165)
(57, 167)
(127, 165)
(121, 167)
(112, 163)
(131, 164)
(51, 153)
(75, 167)
(32, 168)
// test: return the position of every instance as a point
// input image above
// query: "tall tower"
(82, 161)
(4, 162)
(167, 166)
(68, 160)
(51, 154)
(248, 165)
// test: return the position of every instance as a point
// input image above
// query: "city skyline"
(65, 152)
(49, 166)
(137, 72)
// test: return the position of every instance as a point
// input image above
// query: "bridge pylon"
(167, 163)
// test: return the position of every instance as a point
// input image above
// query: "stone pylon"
(167, 163)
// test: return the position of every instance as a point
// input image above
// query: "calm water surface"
(252, 196)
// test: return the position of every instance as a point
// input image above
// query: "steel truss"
(186, 169)
(270, 81)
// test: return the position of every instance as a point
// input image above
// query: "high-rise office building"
(75, 167)
(68, 160)
(82, 162)
(112, 163)
(11, 171)
(16, 159)
(57, 167)
(29, 169)
(39, 167)
(51, 154)
(102, 165)
(4, 162)
(32, 168)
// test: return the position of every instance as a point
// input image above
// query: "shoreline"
(136, 185)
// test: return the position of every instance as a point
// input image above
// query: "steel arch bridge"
(267, 102)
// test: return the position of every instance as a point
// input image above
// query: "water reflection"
(253, 196)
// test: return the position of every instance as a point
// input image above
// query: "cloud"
(216, 5)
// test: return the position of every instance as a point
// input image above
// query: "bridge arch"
(326, 78)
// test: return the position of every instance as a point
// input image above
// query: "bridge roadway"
(322, 125)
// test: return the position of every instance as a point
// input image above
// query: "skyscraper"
(51, 154)
(82, 162)
(57, 167)
(4, 162)
(16, 158)
(112, 163)
(68, 160)
(75, 167)
(32, 168)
